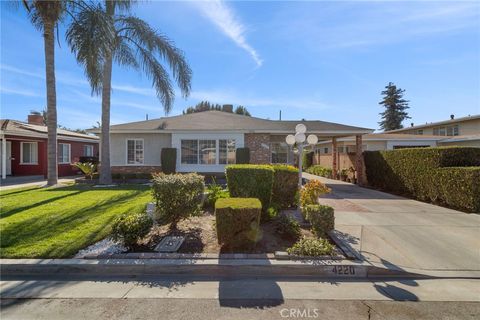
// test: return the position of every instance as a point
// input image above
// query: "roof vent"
(228, 108)
(411, 124)
(452, 116)
(36, 118)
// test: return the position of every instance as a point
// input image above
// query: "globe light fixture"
(290, 139)
(312, 139)
(299, 139)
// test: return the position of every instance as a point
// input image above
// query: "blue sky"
(312, 60)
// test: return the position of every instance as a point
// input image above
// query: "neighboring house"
(207, 141)
(24, 148)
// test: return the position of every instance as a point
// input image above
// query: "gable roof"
(438, 123)
(18, 128)
(224, 121)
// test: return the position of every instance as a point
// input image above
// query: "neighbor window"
(189, 152)
(63, 153)
(88, 150)
(135, 151)
(279, 152)
(226, 151)
(29, 152)
(420, 131)
(208, 151)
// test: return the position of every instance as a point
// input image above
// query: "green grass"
(57, 222)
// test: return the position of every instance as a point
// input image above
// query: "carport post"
(359, 159)
(4, 157)
(334, 158)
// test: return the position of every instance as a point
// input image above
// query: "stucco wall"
(152, 146)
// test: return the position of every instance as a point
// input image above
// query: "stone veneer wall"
(136, 169)
(259, 145)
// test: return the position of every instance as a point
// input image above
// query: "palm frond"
(124, 56)
(137, 30)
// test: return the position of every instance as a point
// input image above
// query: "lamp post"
(299, 138)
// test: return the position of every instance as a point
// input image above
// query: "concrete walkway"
(32, 181)
(384, 229)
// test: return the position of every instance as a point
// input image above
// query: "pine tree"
(395, 108)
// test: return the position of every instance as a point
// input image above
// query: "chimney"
(228, 108)
(280, 116)
(452, 116)
(35, 118)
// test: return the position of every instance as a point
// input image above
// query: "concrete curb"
(202, 267)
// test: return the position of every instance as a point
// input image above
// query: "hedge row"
(285, 185)
(441, 175)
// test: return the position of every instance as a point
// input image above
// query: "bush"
(84, 159)
(242, 156)
(169, 160)
(311, 248)
(238, 221)
(307, 159)
(287, 227)
(250, 181)
(129, 228)
(214, 192)
(321, 217)
(88, 168)
(285, 185)
(311, 191)
(272, 213)
(320, 171)
(131, 176)
(421, 172)
(177, 196)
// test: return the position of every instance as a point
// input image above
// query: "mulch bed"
(201, 237)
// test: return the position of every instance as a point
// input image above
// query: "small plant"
(131, 227)
(311, 191)
(88, 168)
(343, 174)
(287, 227)
(272, 213)
(177, 196)
(321, 217)
(311, 248)
(214, 192)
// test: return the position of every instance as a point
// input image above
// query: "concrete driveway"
(393, 231)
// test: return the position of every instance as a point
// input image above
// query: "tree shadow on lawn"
(36, 230)
(6, 193)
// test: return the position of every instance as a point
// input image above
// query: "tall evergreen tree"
(395, 108)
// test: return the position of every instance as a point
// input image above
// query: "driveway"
(390, 230)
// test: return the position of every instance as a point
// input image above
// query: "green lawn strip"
(57, 222)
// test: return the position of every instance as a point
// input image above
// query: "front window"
(208, 151)
(63, 153)
(189, 152)
(88, 150)
(226, 151)
(279, 152)
(29, 152)
(135, 151)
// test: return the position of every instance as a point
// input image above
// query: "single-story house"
(207, 141)
(23, 149)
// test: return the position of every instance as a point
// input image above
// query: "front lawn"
(57, 222)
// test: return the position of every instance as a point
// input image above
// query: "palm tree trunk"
(49, 45)
(105, 170)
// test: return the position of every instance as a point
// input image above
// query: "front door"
(8, 157)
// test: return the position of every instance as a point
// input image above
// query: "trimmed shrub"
(320, 171)
(321, 217)
(169, 160)
(242, 156)
(311, 191)
(130, 176)
(287, 227)
(311, 248)
(238, 221)
(285, 185)
(131, 227)
(307, 159)
(177, 196)
(419, 173)
(250, 181)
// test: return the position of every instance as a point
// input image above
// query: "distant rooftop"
(434, 124)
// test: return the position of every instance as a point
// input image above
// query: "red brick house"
(23, 150)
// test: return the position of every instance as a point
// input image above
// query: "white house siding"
(152, 146)
(176, 143)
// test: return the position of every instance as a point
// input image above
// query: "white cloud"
(149, 92)
(20, 92)
(221, 15)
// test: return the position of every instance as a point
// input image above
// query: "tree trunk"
(105, 170)
(49, 45)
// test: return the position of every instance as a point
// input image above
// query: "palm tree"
(133, 43)
(45, 15)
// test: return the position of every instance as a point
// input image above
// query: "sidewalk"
(32, 182)
(389, 230)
